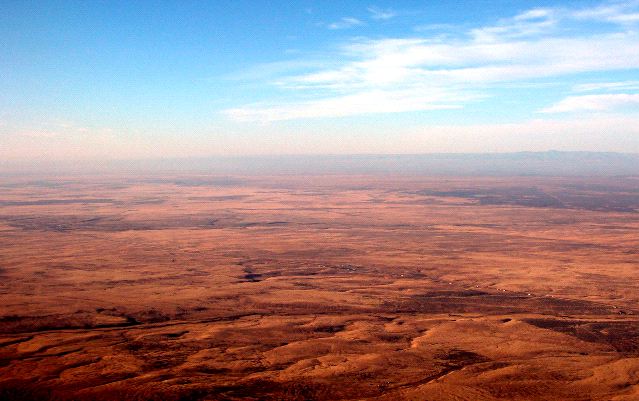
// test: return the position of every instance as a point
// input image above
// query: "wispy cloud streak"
(381, 14)
(391, 75)
(594, 103)
(345, 23)
(607, 86)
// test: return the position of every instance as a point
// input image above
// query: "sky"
(96, 80)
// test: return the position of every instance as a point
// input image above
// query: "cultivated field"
(189, 287)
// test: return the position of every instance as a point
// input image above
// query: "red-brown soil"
(204, 287)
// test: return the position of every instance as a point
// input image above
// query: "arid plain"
(342, 287)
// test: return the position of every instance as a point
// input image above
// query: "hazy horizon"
(549, 163)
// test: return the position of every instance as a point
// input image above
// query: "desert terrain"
(319, 287)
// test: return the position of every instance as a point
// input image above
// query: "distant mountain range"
(550, 163)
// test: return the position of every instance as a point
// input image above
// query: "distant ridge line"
(547, 163)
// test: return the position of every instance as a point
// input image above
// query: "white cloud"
(393, 61)
(541, 43)
(345, 23)
(381, 14)
(594, 103)
(374, 101)
(529, 23)
(619, 12)
(607, 86)
(535, 13)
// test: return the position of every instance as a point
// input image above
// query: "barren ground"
(193, 287)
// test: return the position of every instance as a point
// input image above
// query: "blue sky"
(118, 80)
